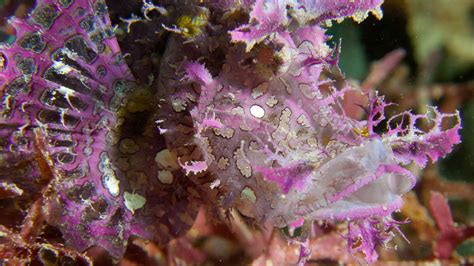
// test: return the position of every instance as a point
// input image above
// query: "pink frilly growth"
(273, 17)
(365, 235)
(266, 17)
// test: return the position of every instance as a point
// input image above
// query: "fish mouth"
(362, 181)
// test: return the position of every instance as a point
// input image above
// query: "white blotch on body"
(257, 111)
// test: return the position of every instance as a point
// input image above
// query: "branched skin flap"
(243, 114)
(67, 94)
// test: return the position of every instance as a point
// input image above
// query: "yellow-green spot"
(133, 201)
(363, 132)
(191, 26)
(248, 194)
(166, 159)
(140, 100)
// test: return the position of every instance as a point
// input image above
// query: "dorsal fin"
(64, 82)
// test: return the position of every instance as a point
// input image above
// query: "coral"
(450, 236)
(241, 111)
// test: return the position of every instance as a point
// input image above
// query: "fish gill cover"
(245, 114)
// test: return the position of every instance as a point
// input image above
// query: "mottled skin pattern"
(270, 127)
(67, 94)
(176, 97)
(265, 79)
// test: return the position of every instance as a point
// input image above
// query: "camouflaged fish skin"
(68, 95)
(246, 116)
(270, 126)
